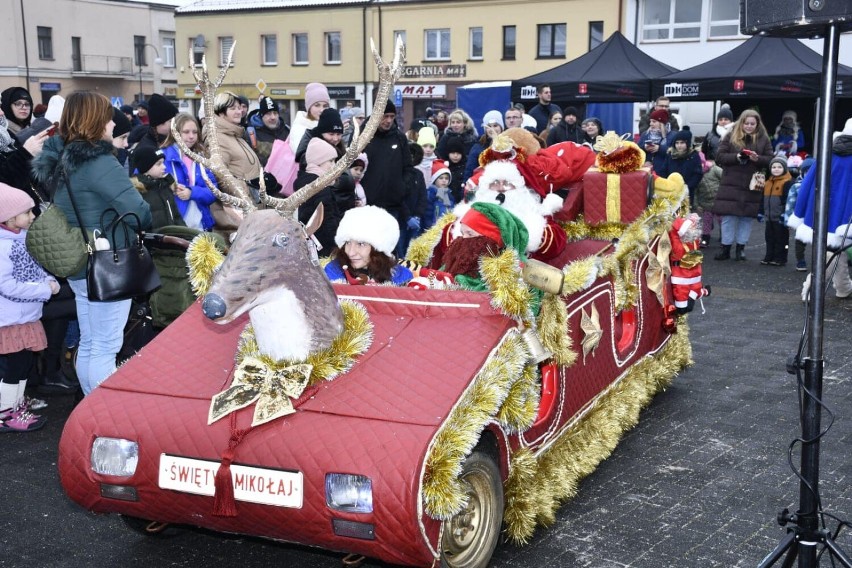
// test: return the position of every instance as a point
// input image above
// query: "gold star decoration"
(591, 326)
(270, 389)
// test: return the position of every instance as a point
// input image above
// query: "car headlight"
(115, 456)
(350, 493)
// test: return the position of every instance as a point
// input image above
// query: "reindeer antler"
(388, 75)
(214, 163)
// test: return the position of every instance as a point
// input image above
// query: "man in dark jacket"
(268, 127)
(568, 130)
(662, 103)
(389, 158)
(542, 111)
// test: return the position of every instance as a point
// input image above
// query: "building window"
(269, 45)
(475, 43)
(76, 54)
(332, 48)
(225, 45)
(551, 40)
(139, 50)
(197, 47)
(399, 34)
(300, 49)
(45, 42)
(437, 44)
(169, 52)
(595, 34)
(724, 18)
(672, 19)
(509, 34)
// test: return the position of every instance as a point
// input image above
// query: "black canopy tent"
(769, 74)
(614, 71)
(759, 68)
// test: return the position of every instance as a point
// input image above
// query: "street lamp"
(139, 57)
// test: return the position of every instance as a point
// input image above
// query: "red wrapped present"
(615, 198)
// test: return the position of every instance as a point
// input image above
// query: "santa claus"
(519, 178)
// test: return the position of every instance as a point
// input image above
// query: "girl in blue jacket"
(195, 210)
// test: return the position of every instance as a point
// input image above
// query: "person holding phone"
(657, 139)
(746, 149)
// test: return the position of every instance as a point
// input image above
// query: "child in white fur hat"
(24, 287)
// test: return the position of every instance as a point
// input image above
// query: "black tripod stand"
(805, 539)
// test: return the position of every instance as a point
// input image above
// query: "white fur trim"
(551, 204)
(804, 234)
(501, 170)
(794, 222)
(684, 227)
(369, 224)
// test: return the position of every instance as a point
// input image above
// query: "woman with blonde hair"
(98, 182)
(236, 153)
(746, 149)
(193, 197)
(459, 126)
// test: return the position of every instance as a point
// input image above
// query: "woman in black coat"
(744, 151)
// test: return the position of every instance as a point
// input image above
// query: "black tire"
(471, 536)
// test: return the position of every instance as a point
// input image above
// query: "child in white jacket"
(24, 287)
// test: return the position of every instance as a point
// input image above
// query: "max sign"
(423, 91)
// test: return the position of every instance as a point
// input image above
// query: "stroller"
(149, 316)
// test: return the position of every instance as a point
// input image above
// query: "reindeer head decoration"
(272, 271)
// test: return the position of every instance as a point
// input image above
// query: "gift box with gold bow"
(615, 198)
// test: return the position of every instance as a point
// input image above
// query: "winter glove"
(414, 223)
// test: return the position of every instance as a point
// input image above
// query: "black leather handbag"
(120, 274)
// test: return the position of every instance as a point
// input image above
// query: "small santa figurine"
(686, 259)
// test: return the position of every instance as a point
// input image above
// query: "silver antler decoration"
(388, 75)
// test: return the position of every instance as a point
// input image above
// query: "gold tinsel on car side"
(442, 491)
(538, 484)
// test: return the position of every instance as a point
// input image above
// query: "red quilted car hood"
(418, 336)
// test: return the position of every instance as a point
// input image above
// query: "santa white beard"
(525, 205)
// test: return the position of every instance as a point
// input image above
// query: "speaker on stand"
(809, 19)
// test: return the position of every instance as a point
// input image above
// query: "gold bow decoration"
(590, 323)
(659, 268)
(271, 389)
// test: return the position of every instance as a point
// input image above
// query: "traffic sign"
(397, 95)
(117, 102)
(261, 85)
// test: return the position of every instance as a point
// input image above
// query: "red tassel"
(224, 504)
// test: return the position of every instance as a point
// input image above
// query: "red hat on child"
(440, 167)
(661, 115)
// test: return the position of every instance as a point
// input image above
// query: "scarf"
(7, 143)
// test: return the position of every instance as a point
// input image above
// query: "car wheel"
(470, 537)
(148, 528)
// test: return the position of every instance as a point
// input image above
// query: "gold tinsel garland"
(510, 295)
(203, 257)
(329, 363)
(552, 327)
(537, 485)
(420, 249)
(443, 491)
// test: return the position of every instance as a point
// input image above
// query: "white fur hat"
(369, 224)
(501, 170)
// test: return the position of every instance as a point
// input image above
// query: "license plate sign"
(251, 484)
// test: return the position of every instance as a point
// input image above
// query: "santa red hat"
(439, 167)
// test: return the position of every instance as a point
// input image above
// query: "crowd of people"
(500, 178)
